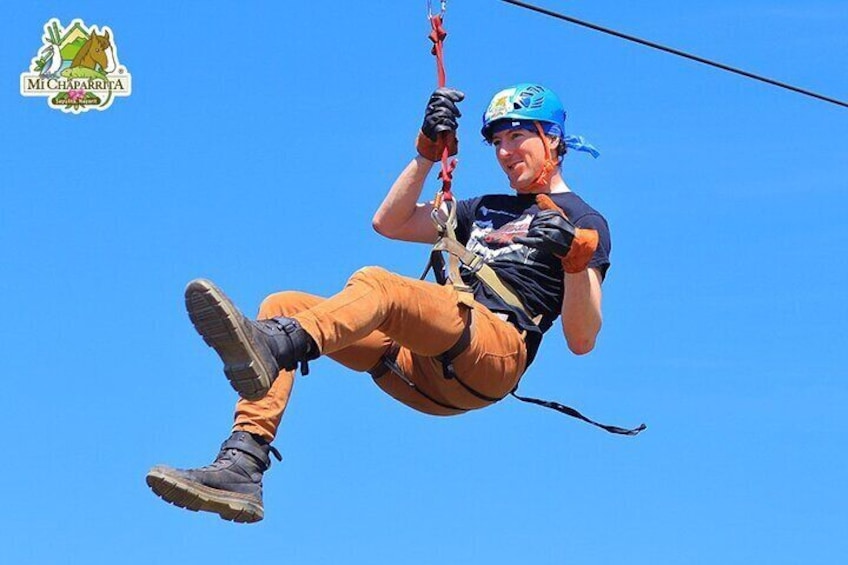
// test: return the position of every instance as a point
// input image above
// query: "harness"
(458, 255)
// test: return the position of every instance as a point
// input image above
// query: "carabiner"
(443, 8)
(449, 222)
(441, 226)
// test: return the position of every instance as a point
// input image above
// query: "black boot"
(230, 487)
(253, 352)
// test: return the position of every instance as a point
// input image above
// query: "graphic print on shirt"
(497, 243)
(487, 211)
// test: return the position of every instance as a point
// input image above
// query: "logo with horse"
(77, 68)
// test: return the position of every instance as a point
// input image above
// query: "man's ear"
(555, 142)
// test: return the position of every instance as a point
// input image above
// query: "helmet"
(525, 101)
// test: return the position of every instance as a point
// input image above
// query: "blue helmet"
(528, 102)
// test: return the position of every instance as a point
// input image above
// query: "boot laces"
(224, 456)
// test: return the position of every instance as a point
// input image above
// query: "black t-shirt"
(487, 225)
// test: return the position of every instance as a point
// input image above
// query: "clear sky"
(257, 143)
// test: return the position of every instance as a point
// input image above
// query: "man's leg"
(354, 327)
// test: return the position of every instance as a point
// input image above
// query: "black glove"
(550, 232)
(441, 114)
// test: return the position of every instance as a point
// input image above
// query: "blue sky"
(256, 145)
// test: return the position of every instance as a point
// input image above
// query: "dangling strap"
(568, 411)
(389, 363)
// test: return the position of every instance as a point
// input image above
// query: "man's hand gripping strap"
(433, 150)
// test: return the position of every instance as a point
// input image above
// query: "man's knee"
(372, 275)
(286, 303)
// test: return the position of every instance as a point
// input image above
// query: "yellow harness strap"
(458, 254)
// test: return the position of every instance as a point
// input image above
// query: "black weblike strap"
(461, 344)
(575, 414)
(388, 362)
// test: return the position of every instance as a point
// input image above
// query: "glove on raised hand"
(440, 123)
(551, 232)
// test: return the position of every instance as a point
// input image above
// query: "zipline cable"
(677, 52)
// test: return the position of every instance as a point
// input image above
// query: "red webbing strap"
(550, 165)
(437, 36)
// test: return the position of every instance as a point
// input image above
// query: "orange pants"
(357, 326)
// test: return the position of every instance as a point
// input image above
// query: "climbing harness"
(459, 254)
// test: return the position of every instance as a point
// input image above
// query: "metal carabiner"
(450, 220)
(443, 8)
(441, 226)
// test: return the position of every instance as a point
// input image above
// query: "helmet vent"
(532, 97)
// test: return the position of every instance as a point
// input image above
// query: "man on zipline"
(440, 349)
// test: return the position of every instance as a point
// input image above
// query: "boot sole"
(220, 324)
(196, 497)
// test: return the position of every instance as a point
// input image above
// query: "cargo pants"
(379, 311)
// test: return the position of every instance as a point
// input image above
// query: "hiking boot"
(253, 352)
(230, 487)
